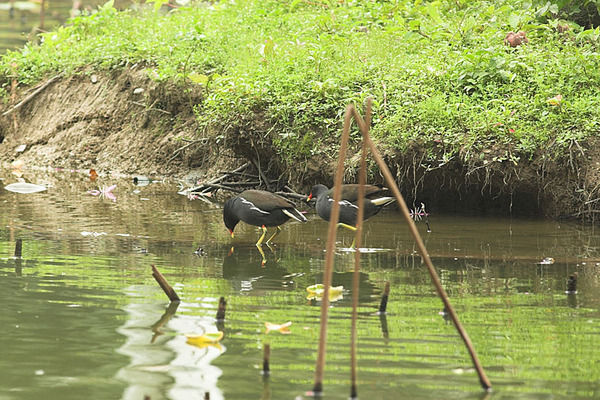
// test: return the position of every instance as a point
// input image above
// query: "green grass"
(439, 72)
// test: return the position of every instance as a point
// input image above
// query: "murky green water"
(84, 318)
(20, 20)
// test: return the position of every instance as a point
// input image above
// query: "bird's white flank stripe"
(252, 206)
(344, 203)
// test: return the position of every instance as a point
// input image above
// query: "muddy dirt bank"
(126, 123)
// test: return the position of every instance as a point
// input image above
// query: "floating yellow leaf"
(316, 292)
(204, 340)
(319, 288)
(283, 328)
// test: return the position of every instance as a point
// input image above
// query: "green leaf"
(414, 25)
(198, 78)
(157, 3)
(108, 5)
(514, 21)
(542, 11)
(432, 10)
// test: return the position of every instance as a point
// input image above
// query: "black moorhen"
(259, 208)
(349, 203)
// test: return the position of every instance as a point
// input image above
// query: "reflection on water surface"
(82, 313)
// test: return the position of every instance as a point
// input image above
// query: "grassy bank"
(441, 74)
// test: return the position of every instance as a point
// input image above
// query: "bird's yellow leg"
(259, 246)
(268, 242)
(259, 243)
(270, 247)
(352, 228)
(262, 253)
(272, 236)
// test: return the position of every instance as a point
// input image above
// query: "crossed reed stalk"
(363, 125)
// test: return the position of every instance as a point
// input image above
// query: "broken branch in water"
(246, 180)
(18, 248)
(221, 309)
(169, 312)
(202, 186)
(244, 184)
(266, 359)
(168, 289)
(216, 186)
(241, 174)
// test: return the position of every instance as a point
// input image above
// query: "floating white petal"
(25, 188)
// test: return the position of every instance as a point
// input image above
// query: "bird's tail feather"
(295, 214)
(383, 201)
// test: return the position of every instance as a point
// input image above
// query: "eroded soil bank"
(124, 122)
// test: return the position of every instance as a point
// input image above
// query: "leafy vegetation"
(441, 74)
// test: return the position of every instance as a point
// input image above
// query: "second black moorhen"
(374, 202)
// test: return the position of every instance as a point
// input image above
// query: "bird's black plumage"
(373, 203)
(259, 208)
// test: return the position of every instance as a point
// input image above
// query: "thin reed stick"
(221, 310)
(168, 289)
(329, 253)
(266, 359)
(362, 180)
(18, 248)
(384, 298)
(485, 383)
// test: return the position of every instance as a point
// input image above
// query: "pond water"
(20, 20)
(84, 318)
